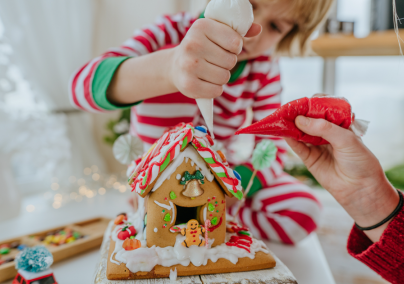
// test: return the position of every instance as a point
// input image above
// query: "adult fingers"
(308, 154)
(338, 137)
(255, 30)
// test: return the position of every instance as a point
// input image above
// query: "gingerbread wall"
(158, 230)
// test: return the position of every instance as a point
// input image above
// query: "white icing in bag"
(237, 14)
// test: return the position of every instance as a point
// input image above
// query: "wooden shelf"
(383, 43)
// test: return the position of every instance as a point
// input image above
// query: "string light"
(86, 187)
(122, 188)
(96, 176)
(87, 171)
(82, 190)
(55, 186)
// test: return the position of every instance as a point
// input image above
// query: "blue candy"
(237, 175)
(201, 129)
(21, 247)
(34, 259)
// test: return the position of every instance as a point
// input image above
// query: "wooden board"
(376, 44)
(93, 231)
(277, 275)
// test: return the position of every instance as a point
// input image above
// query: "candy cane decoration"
(207, 225)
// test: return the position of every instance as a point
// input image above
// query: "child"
(161, 70)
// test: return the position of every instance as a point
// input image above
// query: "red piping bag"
(282, 121)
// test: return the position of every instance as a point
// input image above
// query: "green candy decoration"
(145, 219)
(211, 207)
(4, 250)
(173, 195)
(214, 221)
(264, 154)
(167, 217)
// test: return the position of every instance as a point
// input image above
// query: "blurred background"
(53, 156)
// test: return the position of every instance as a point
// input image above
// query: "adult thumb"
(337, 136)
(254, 30)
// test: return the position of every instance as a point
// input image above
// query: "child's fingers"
(220, 34)
(218, 56)
(212, 73)
(255, 30)
(338, 137)
(198, 89)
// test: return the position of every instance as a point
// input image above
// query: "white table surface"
(306, 260)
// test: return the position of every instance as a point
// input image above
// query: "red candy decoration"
(282, 121)
(124, 233)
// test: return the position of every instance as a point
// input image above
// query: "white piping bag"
(237, 14)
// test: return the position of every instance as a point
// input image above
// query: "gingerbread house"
(181, 178)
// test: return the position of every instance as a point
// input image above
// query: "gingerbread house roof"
(163, 156)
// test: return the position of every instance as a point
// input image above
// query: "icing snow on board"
(145, 259)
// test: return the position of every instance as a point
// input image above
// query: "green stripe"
(209, 160)
(235, 74)
(103, 76)
(238, 194)
(222, 175)
(201, 143)
(165, 164)
(184, 143)
(246, 175)
(144, 179)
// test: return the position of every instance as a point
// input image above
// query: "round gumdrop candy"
(21, 247)
(5, 250)
(119, 220)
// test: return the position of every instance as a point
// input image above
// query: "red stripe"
(146, 43)
(272, 80)
(267, 107)
(279, 230)
(114, 54)
(87, 87)
(131, 49)
(305, 221)
(239, 81)
(151, 35)
(263, 98)
(279, 198)
(173, 98)
(164, 122)
(257, 225)
(167, 37)
(74, 84)
(262, 58)
(147, 139)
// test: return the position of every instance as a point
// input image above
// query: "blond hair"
(309, 15)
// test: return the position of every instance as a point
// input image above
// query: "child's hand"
(349, 171)
(201, 64)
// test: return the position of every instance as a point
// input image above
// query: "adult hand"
(349, 171)
(201, 64)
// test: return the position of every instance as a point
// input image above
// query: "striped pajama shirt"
(281, 209)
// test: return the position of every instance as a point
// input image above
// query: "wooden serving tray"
(93, 231)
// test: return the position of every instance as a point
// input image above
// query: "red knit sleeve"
(386, 256)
